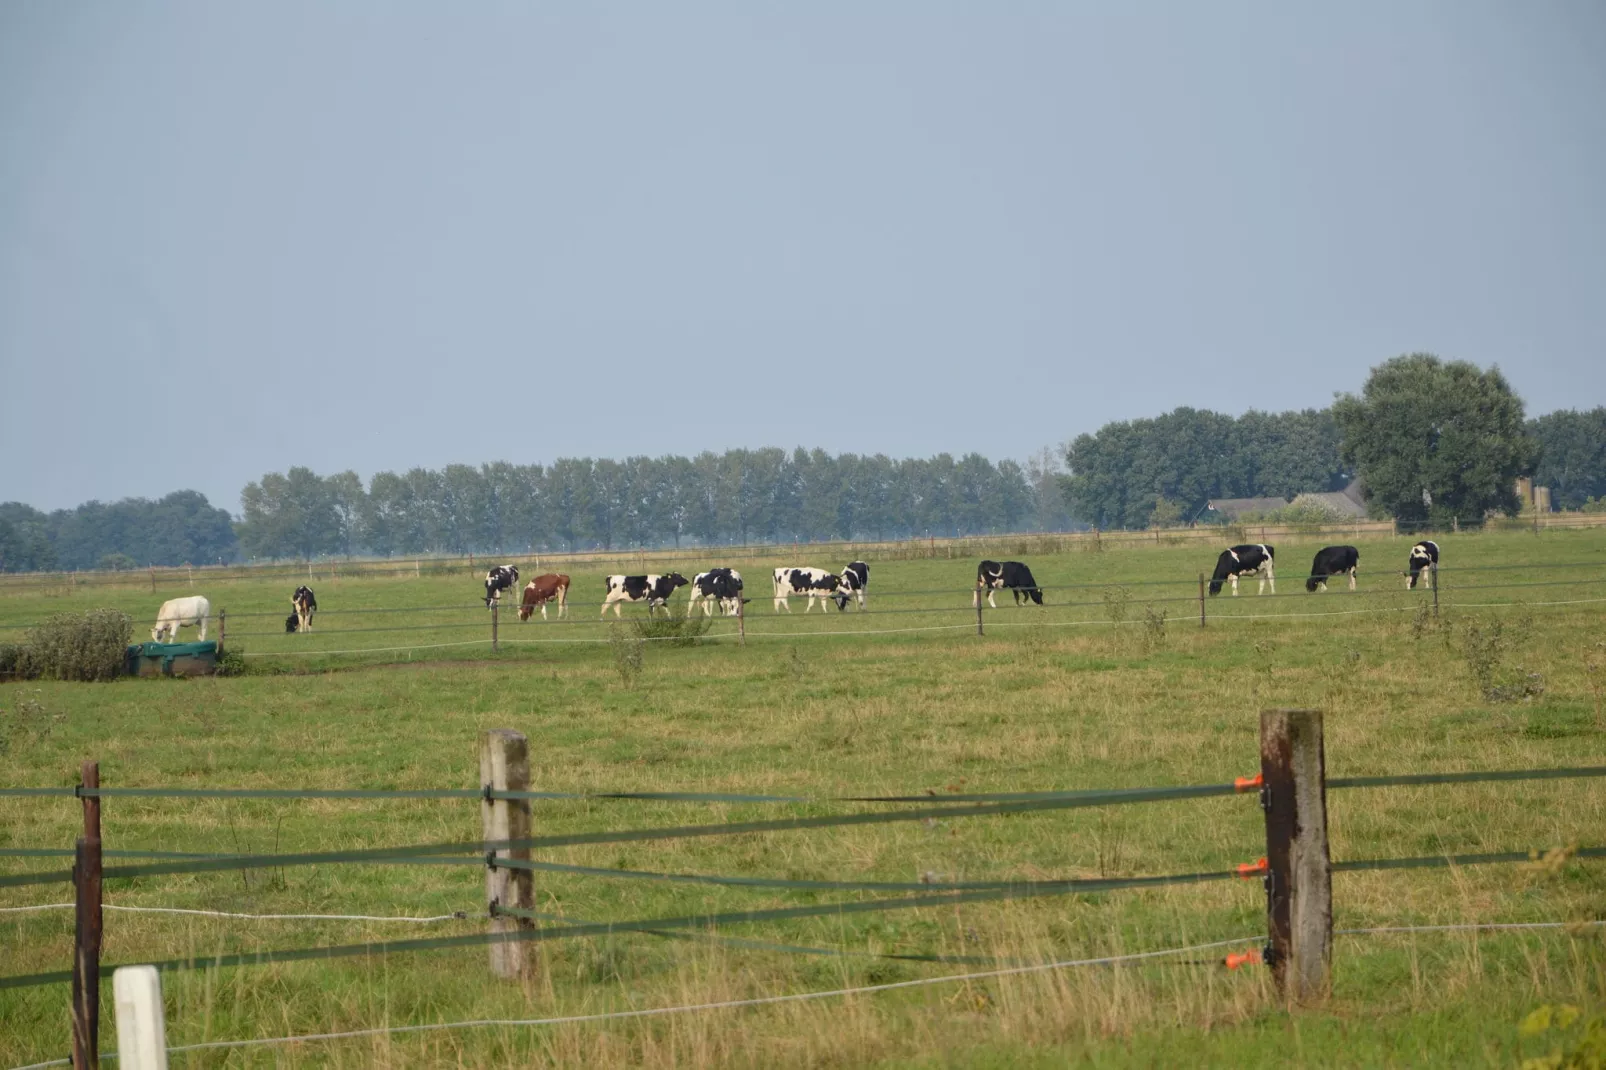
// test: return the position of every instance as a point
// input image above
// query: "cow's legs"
(203, 621)
(1352, 579)
(990, 593)
(1234, 584)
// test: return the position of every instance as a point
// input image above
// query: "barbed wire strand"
(458, 916)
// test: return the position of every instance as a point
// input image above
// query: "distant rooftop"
(1233, 508)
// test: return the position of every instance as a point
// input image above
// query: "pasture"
(905, 699)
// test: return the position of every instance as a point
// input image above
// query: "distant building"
(1233, 508)
(1348, 503)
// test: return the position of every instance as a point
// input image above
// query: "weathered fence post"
(222, 629)
(1201, 600)
(495, 605)
(141, 1025)
(1433, 578)
(976, 598)
(86, 936)
(741, 621)
(505, 766)
(153, 579)
(1299, 889)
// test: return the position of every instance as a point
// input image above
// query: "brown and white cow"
(543, 589)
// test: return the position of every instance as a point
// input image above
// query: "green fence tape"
(740, 917)
(642, 835)
(1430, 861)
(1335, 783)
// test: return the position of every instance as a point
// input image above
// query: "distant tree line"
(180, 528)
(1431, 439)
(1132, 473)
(740, 496)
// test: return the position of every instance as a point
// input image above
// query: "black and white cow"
(1332, 561)
(500, 578)
(855, 578)
(291, 623)
(813, 582)
(721, 585)
(305, 604)
(1252, 559)
(655, 589)
(1424, 558)
(1011, 576)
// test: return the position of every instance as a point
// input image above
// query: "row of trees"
(182, 527)
(1430, 439)
(765, 495)
(1130, 473)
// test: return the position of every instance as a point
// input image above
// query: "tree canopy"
(179, 528)
(1435, 440)
(1572, 459)
(765, 495)
(1177, 462)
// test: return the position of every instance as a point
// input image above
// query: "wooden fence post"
(1433, 578)
(741, 621)
(1299, 887)
(222, 629)
(141, 1024)
(1201, 600)
(86, 937)
(505, 766)
(976, 598)
(495, 605)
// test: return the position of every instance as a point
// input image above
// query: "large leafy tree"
(1435, 440)
(1573, 458)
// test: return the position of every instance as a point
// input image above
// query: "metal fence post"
(86, 936)
(505, 766)
(1299, 888)
(141, 1024)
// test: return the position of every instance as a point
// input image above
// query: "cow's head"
(1035, 594)
(675, 579)
(291, 623)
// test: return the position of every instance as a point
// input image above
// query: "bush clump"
(674, 629)
(86, 646)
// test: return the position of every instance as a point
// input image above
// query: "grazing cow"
(655, 589)
(292, 622)
(543, 589)
(1253, 559)
(177, 613)
(855, 578)
(1011, 576)
(305, 605)
(722, 585)
(813, 582)
(1333, 561)
(1424, 558)
(499, 579)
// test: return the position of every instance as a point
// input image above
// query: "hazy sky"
(239, 237)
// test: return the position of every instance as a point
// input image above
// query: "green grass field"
(1050, 698)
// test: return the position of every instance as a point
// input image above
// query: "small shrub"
(1153, 629)
(1116, 601)
(627, 653)
(11, 661)
(78, 646)
(25, 718)
(116, 563)
(672, 629)
(1576, 1041)
(231, 661)
(1485, 646)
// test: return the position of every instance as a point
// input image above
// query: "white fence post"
(141, 1024)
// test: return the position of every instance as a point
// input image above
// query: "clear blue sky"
(237, 237)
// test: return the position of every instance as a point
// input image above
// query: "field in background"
(1052, 698)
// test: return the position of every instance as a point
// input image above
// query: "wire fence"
(530, 926)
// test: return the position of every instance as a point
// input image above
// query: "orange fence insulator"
(1251, 869)
(1248, 783)
(1243, 958)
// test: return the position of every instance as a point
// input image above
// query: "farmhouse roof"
(1233, 508)
(1338, 501)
